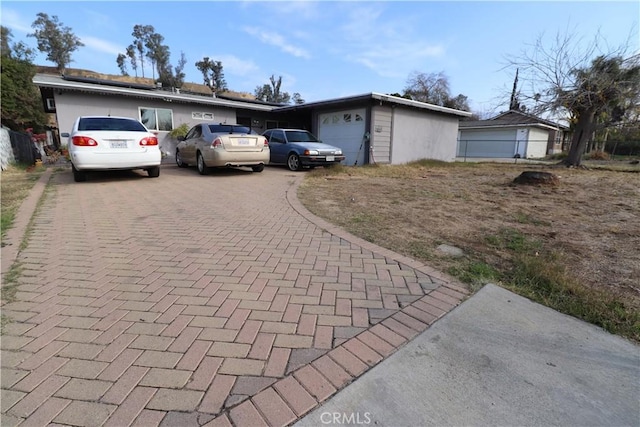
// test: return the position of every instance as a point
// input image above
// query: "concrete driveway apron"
(199, 300)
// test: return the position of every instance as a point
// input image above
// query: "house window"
(347, 117)
(156, 118)
(51, 104)
(359, 118)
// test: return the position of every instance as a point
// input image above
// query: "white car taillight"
(83, 141)
(150, 140)
(216, 143)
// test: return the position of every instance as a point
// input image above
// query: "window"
(156, 118)
(195, 132)
(277, 136)
(359, 118)
(347, 117)
(51, 104)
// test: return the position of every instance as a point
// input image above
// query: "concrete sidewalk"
(497, 359)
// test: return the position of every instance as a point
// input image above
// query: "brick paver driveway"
(191, 300)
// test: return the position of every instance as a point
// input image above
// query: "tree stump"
(537, 178)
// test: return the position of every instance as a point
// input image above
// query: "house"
(511, 134)
(370, 128)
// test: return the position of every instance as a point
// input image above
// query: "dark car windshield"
(110, 123)
(299, 136)
(231, 129)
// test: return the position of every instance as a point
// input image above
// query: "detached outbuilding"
(370, 128)
(511, 134)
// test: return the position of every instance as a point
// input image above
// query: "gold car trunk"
(242, 143)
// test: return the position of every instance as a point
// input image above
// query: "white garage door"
(488, 143)
(345, 129)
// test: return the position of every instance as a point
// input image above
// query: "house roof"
(117, 88)
(389, 99)
(101, 86)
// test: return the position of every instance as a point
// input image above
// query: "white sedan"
(112, 143)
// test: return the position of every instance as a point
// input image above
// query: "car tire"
(202, 167)
(293, 162)
(179, 161)
(258, 168)
(78, 176)
(154, 172)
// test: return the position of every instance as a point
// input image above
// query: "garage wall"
(71, 105)
(418, 134)
(537, 144)
(491, 143)
(381, 134)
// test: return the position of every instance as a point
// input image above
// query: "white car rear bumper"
(85, 160)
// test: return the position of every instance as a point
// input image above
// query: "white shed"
(509, 135)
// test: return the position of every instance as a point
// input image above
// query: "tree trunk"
(580, 137)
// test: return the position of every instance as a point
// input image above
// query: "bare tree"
(591, 87)
(433, 89)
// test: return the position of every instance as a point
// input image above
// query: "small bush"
(597, 155)
(557, 156)
(179, 131)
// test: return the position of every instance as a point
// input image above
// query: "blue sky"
(329, 49)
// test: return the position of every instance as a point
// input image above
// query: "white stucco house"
(370, 128)
(511, 134)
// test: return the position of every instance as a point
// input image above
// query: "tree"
(212, 74)
(272, 93)
(122, 64)
(56, 40)
(589, 88)
(150, 45)
(140, 39)
(433, 89)
(21, 101)
(297, 99)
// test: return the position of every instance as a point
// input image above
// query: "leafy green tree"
(592, 89)
(54, 39)
(272, 92)
(150, 45)
(122, 64)
(141, 35)
(297, 98)
(212, 74)
(21, 101)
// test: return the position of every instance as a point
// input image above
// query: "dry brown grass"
(584, 231)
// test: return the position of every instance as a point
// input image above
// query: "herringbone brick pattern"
(188, 300)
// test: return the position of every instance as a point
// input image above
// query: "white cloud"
(15, 22)
(387, 47)
(277, 40)
(103, 46)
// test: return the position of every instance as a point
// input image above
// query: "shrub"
(597, 155)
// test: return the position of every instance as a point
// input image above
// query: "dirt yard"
(590, 220)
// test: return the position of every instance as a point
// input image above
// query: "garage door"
(490, 144)
(345, 129)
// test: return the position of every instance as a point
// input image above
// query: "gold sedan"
(221, 145)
